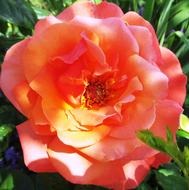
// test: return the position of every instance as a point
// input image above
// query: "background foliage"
(170, 19)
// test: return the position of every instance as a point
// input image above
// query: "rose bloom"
(88, 80)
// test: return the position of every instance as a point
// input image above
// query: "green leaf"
(6, 183)
(155, 142)
(41, 13)
(144, 186)
(182, 139)
(169, 135)
(186, 68)
(167, 172)
(3, 27)
(178, 13)
(184, 123)
(182, 133)
(135, 5)
(15, 180)
(179, 18)
(186, 157)
(163, 20)
(166, 181)
(184, 41)
(160, 144)
(179, 6)
(148, 9)
(5, 130)
(169, 169)
(18, 12)
(97, 1)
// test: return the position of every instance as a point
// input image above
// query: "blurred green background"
(170, 19)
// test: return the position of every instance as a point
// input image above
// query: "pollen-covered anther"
(95, 94)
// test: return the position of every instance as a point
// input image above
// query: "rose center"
(95, 94)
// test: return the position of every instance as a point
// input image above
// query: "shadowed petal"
(34, 148)
(177, 80)
(132, 18)
(135, 172)
(78, 168)
(110, 149)
(12, 70)
(155, 83)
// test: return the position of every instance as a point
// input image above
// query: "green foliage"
(169, 147)
(163, 20)
(5, 131)
(15, 180)
(166, 181)
(7, 183)
(148, 9)
(18, 12)
(167, 174)
(160, 144)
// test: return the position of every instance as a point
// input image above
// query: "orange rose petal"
(132, 18)
(110, 149)
(107, 174)
(135, 172)
(177, 80)
(133, 86)
(167, 115)
(160, 158)
(71, 89)
(39, 53)
(12, 70)
(67, 161)
(21, 92)
(37, 114)
(77, 168)
(95, 58)
(155, 83)
(83, 138)
(117, 40)
(44, 85)
(34, 148)
(58, 118)
(92, 117)
(29, 101)
(140, 33)
(43, 130)
(43, 24)
(52, 106)
(74, 54)
(89, 9)
(144, 117)
(118, 106)
(56, 115)
(142, 152)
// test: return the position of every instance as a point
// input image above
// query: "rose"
(87, 81)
